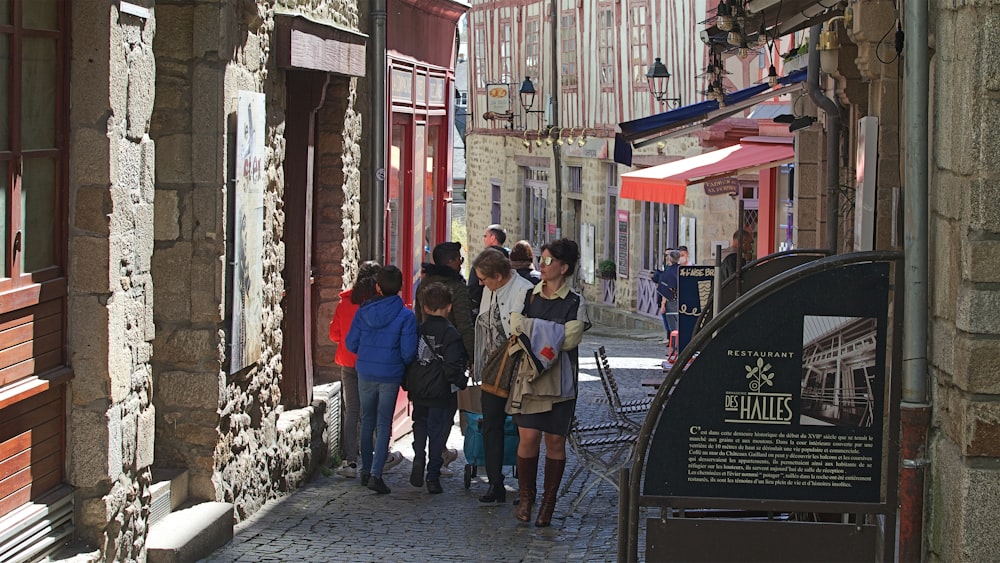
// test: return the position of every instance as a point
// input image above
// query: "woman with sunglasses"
(548, 417)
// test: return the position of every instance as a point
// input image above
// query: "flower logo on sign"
(759, 375)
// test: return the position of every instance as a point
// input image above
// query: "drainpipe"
(554, 121)
(832, 111)
(377, 63)
(915, 408)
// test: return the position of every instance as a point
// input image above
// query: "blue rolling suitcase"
(474, 453)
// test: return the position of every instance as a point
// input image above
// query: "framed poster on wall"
(248, 235)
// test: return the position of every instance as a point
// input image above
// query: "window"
(611, 207)
(506, 35)
(654, 234)
(32, 143)
(33, 185)
(495, 203)
(606, 48)
(576, 179)
(532, 53)
(536, 191)
(479, 48)
(567, 40)
(639, 43)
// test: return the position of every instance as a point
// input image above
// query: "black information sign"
(623, 249)
(694, 291)
(787, 401)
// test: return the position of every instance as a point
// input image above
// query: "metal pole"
(554, 121)
(378, 64)
(916, 412)
(832, 111)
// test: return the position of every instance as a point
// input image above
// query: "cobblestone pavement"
(336, 519)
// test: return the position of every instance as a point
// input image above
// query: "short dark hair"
(566, 251)
(736, 234)
(682, 248)
(389, 280)
(522, 252)
(434, 296)
(446, 252)
(498, 232)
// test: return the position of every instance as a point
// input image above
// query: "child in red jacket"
(340, 325)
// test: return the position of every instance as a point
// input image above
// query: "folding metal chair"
(631, 412)
(601, 453)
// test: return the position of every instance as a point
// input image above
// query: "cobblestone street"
(336, 519)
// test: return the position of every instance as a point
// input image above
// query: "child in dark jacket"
(431, 382)
(384, 336)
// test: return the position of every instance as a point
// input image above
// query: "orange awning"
(667, 183)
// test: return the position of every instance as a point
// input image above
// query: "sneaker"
(348, 469)
(417, 473)
(365, 477)
(434, 487)
(378, 485)
(445, 472)
(394, 459)
(449, 455)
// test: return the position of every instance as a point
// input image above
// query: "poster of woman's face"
(248, 234)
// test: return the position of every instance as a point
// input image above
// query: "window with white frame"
(639, 31)
(479, 46)
(606, 38)
(567, 41)
(656, 228)
(506, 53)
(536, 190)
(532, 51)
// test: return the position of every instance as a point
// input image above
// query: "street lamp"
(527, 94)
(657, 76)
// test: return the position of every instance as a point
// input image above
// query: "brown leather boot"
(527, 472)
(553, 477)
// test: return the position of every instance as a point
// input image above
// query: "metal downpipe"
(915, 408)
(377, 63)
(832, 110)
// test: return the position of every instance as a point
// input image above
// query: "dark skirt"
(555, 421)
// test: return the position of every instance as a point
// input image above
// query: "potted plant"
(607, 269)
(796, 58)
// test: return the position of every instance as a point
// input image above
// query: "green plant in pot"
(607, 269)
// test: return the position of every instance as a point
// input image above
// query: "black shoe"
(365, 476)
(417, 473)
(434, 487)
(494, 495)
(378, 485)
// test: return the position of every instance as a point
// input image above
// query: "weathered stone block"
(976, 364)
(91, 149)
(189, 348)
(91, 210)
(980, 260)
(176, 25)
(978, 310)
(166, 216)
(89, 265)
(179, 389)
(173, 159)
(141, 89)
(88, 445)
(963, 500)
(171, 271)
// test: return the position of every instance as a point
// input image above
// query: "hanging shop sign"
(722, 186)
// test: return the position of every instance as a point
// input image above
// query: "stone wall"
(964, 338)
(110, 327)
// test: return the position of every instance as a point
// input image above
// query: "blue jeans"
(378, 402)
(430, 423)
(670, 317)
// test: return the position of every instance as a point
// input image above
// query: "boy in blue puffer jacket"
(384, 336)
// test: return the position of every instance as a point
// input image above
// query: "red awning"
(667, 183)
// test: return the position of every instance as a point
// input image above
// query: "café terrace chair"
(631, 413)
(602, 453)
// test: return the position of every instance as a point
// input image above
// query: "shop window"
(495, 203)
